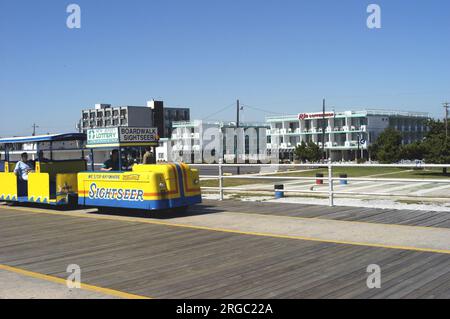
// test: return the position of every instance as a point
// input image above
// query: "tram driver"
(112, 164)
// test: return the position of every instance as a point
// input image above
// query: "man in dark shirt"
(112, 164)
(149, 157)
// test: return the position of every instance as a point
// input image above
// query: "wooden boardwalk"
(162, 261)
(362, 214)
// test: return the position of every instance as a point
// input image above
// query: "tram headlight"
(196, 181)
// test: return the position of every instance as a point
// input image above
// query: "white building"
(190, 140)
(345, 132)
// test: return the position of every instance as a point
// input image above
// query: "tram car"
(58, 182)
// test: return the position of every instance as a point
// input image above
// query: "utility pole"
(446, 105)
(238, 109)
(34, 128)
(323, 130)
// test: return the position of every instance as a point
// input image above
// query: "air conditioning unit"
(364, 128)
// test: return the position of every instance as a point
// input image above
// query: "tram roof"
(44, 138)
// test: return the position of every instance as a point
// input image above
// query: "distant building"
(152, 115)
(188, 140)
(343, 131)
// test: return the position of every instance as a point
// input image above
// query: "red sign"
(304, 116)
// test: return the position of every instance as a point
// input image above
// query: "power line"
(219, 111)
(262, 110)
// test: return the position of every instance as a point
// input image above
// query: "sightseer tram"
(119, 183)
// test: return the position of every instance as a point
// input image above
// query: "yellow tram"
(71, 181)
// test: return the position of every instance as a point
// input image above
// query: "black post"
(92, 160)
(238, 106)
(120, 159)
(357, 153)
(51, 151)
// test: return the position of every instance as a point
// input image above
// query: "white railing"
(327, 177)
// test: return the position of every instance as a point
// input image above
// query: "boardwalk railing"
(329, 178)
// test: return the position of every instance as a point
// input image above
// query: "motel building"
(190, 139)
(346, 133)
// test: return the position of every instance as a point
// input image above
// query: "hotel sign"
(305, 116)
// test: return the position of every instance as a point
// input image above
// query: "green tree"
(314, 153)
(437, 144)
(308, 152)
(301, 153)
(413, 151)
(386, 148)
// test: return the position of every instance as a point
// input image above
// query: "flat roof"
(354, 113)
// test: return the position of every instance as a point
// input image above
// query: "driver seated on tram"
(112, 164)
(23, 167)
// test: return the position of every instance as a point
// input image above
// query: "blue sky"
(277, 56)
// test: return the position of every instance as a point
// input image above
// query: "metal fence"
(329, 178)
